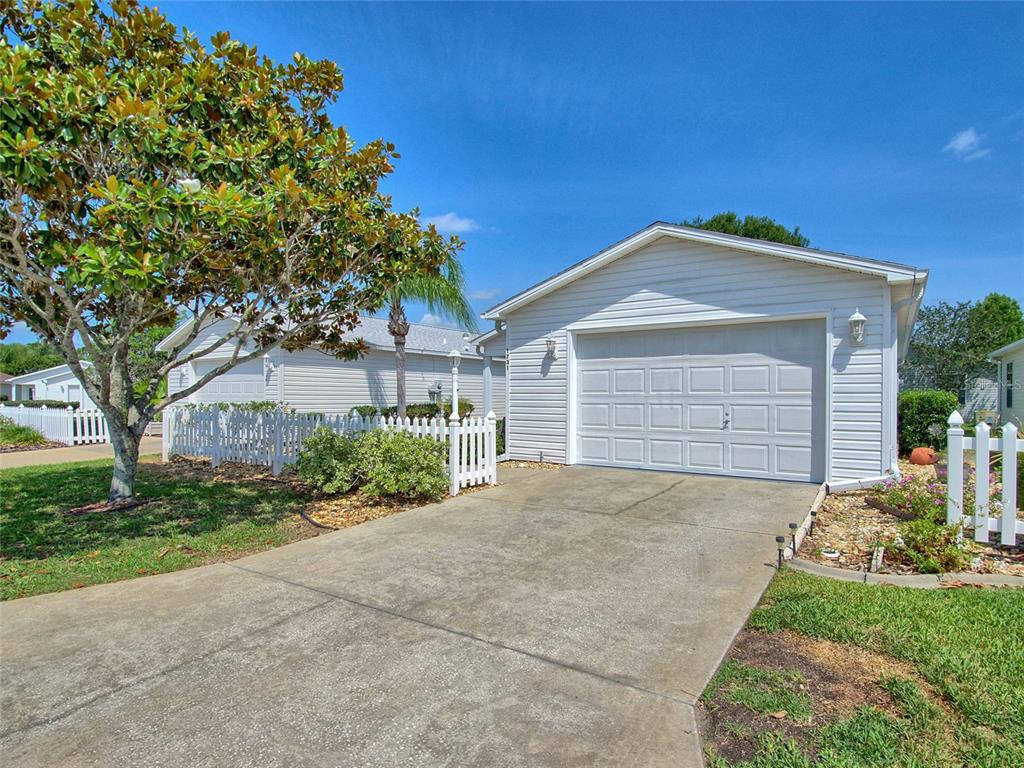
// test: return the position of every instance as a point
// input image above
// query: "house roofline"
(15, 379)
(891, 271)
(1013, 346)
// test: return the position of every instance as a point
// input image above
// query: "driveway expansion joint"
(688, 699)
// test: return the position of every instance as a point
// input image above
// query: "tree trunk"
(125, 443)
(398, 326)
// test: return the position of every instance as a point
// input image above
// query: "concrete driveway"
(564, 618)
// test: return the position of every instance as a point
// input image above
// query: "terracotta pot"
(923, 456)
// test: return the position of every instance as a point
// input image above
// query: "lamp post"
(456, 357)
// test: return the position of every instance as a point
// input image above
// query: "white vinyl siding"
(672, 282)
(1012, 413)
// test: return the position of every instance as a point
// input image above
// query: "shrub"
(253, 406)
(39, 404)
(366, 410)
(922, 416)
(418, 410)
(329, 461)
(15, 434)
(928, 546)
(401, 464)
(500, 437)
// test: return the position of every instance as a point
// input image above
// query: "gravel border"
(918, 580)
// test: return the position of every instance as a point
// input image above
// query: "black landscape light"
(814, 516)
(792, 536)
(780, 542)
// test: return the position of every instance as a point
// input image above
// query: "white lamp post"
(456, 358)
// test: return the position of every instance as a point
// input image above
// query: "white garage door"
(745, 400)
(243, 383)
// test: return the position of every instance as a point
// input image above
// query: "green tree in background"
(16, 359)
(951, 342)
(756, 227)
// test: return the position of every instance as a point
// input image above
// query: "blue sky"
(542, 133)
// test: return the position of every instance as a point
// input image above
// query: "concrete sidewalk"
(44, 456)
(568, 618)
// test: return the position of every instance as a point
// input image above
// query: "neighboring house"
(694, 351)
(309, 380)
(1011, 382)
(6, 390)
(57, 383)
(980, 394)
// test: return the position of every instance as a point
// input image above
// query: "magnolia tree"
(147, 177)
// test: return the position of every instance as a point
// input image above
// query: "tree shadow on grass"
(34, 523)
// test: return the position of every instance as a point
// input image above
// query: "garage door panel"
(628, 450)
(720, 400)
(667, 381)
(747, 457)
(709, 417)
(707, 379)
(751, 378)
(595, 382)
(629, 415)
(751, 418)
(794, 379)
(667, 453)
(666, 415)
(706, 455)
(629, 381)
(595, 449)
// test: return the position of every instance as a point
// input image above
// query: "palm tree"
(444, 294)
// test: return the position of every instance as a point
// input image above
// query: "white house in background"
(312, 381)
(981, 396)
(57, 383)
(686, 350)
(1011, 382)
(6, 390)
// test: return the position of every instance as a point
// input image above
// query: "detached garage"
(685, 350)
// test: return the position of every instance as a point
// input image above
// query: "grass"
(968, 644)
(12, 434)
(761, 690)
(193, 520)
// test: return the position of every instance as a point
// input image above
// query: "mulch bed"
(848, 523)
(516, 464)
(37, 447)
(837, 678)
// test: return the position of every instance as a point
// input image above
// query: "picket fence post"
(215, 436)
(1008, 521)
(955, 476)
(981, 472)
(453, 453)
(278, 424)
(165, 434)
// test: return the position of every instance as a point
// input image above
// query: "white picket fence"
(988, 514)
(275, 438)
(61, 425)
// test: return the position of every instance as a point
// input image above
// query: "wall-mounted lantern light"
(552, 346)
(857, 321)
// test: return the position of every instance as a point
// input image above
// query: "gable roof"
(422, 339)
(891, 271)
(56, 370)
(1013, 346)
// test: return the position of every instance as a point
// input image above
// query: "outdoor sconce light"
(552, 346)
(792, 536)
(780, 542)
(857, 321)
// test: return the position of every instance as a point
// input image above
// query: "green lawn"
(968, 644)
(193, 520)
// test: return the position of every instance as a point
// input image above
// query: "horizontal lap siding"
(670, 281)
(317, 382)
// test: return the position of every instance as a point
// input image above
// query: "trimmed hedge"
(922, 415)
(418, 410)
(39, 404)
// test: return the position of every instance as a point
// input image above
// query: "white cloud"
(452, 222)
(484, 294)
(967, 145)
(430, 319)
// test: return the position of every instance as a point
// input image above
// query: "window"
(1009, 385)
